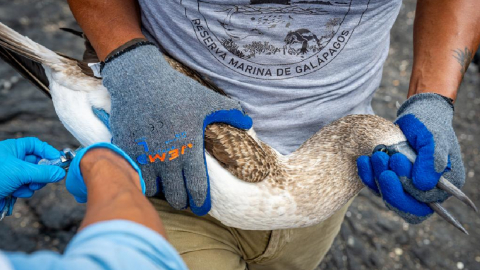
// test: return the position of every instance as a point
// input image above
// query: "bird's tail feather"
(27, 57)
(15, 42)
(30, 70)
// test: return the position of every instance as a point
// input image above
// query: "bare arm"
(114, 191)
(107, 24)
(446, 36)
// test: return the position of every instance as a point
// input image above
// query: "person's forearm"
(446, 36)
(107, 24)
(114, 191)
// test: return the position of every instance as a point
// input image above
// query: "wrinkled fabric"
(294, 66)
(109, 245)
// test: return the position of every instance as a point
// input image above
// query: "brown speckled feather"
(29, 69)
(238, 152)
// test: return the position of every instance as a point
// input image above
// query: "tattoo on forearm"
(464, 58)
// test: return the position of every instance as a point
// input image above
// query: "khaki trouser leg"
(206, 244)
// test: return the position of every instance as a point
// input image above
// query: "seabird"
(253, 187)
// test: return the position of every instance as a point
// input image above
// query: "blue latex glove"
(20, 176)
(426, 121)
(75, 184)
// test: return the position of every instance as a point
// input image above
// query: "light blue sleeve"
(109, 245)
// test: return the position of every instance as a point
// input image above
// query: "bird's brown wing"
(89, 55)
(237, 152)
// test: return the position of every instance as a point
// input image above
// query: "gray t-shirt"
(295, 65)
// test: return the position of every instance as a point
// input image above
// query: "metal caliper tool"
(63, 162)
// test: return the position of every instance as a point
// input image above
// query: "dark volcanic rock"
(56, 208)
(20, 231)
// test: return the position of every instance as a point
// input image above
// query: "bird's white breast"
(74, 110)
(252, 206)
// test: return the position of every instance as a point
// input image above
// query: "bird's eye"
(381, 148)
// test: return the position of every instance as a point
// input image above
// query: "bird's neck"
(322, 173)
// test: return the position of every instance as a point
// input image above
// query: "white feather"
(250, 206)
(43, 53)
(74, 109)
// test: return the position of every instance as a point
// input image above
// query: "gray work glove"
(159, 117)
(426, 121)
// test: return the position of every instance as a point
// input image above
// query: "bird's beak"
(443, 184)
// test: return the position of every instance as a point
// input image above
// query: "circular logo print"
(274, 39)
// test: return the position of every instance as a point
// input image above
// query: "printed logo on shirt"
(274, 39)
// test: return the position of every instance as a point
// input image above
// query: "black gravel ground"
(371, 237)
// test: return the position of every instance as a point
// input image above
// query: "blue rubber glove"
(386, 176)
(75, 184)
(20, 175)
(426, 121)
(159, 118)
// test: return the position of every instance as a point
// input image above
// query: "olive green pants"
(206, 244)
